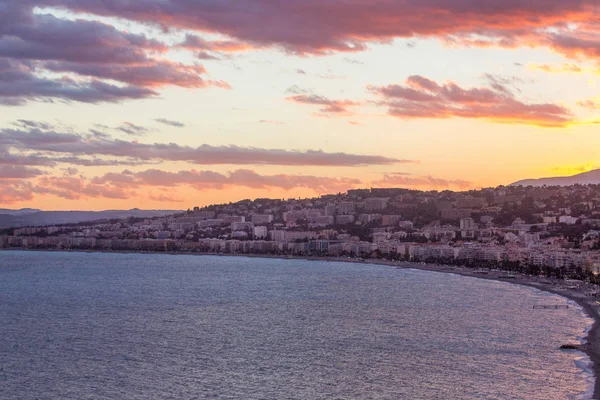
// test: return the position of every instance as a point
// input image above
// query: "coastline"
(581, 296)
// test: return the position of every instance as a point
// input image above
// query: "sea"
(146, 326)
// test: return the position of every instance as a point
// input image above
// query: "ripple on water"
(106, 326)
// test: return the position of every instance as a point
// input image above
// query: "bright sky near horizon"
(175, 103)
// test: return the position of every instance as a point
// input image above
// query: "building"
(346, 207)
(567, 219)
(344, 219)
(258, 219)
(467, 224)
(260, 232)
(330, 209)
(390, 220)
(376, 204)
(278, 236)
(242, 226)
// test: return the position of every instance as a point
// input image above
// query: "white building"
(467, 224)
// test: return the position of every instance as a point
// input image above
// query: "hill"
(586, 178)
(9, 219)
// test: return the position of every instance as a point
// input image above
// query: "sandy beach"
(578, 291)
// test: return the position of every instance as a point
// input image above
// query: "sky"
(171, 104)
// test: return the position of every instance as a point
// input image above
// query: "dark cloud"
(204, 55)
(19, 84)
(132, 129)
(18, 172)
(88, 56)
(165, 121)
(152, 74)
(89, 145)
(318, 27)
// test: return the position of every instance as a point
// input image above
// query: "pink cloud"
(328, 106)
(420, 97)
(428, 182)
(205, 180)
(88, 55)
(317, 26)
(74, 188)
(12, 192)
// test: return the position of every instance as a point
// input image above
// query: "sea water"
(144, 326)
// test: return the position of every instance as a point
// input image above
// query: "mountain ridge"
(584, 178)
(40, 218)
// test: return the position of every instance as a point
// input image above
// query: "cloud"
(73, 188)
(205, 180)
(152, 74)
(165, 121)
(126, 185)
(268, 121)
(329, 106)
(132, 129)
(71, 171)
(13, 192)
(352, 61)
(35, 36)
(420, 97)
(589, 104)
(19, 84)
(76, 145)
(564, 68)
(165, 198)
(321, 27)
(46, 57)
(8, 158)
(18, 172)
(204, 55)
(429, 182)
(193, 42)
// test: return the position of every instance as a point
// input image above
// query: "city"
(545, 230)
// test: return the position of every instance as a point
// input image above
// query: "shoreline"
(591, 345)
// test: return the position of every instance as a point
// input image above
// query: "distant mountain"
(586, 178)
(22, 211)
(39, 218)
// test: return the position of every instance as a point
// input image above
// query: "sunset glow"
(170, 104)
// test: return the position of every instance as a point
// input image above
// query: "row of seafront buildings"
(551, 255)
(385, 223)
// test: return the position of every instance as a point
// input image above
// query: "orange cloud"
(564, 68)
